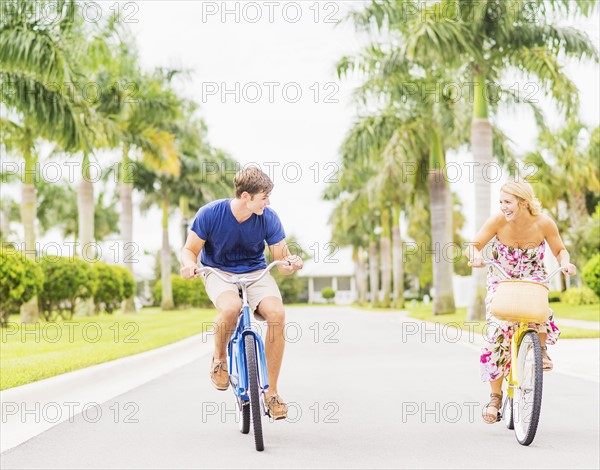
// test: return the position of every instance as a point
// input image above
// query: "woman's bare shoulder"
(497, 220)
(545, 223)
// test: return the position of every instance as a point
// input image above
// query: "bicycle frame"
(515, 342)
(235, 353)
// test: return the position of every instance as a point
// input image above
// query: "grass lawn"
(34, 352)
(458, 319)
(581, 312)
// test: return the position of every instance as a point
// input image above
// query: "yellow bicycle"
(524, 303)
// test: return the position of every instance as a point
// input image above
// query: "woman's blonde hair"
(523, 191)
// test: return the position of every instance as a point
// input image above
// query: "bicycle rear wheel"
(255, 407)
(507, 413)
(244, 412)
(527, 399)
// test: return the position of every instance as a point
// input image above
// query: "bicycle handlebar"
(506, 276)
(245, 280)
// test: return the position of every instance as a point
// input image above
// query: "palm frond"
(539, 63)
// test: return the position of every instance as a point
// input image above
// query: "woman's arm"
(485, 234)
(558, 247)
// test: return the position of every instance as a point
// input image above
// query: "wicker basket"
(520, 301)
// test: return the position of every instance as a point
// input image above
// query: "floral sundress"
(519, 263)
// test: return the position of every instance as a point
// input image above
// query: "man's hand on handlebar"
(189, 272)
(295, 264)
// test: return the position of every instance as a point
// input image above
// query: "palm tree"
(484, 39)
(413, 129)
(567, 173)
(348, 228)
(34, 57)
(64, 216)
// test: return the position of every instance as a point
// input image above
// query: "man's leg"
(228, 305)
(271, 308)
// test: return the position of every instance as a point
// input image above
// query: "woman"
(520, 233)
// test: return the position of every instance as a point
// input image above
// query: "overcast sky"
(250, 61)
(264, 76)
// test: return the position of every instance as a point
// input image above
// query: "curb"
(31, 409)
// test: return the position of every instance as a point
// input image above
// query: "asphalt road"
(365, 389)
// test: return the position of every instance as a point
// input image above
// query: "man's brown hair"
(253, 181)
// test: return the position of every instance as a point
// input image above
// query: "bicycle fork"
(236, 350)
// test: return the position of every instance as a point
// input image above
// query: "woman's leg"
(495, 361)
(547, 364)
(491, 410)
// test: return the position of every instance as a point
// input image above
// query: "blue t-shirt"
(232, 246)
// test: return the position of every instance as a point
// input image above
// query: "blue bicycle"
(246, 359)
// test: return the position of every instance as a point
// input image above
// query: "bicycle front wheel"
(255, 407)
(527, 400)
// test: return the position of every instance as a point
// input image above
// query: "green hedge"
(186, 293)
(115, 284)
(21, 279)
(579, 296)
(66, 279)
(59, 282)
(591, 274)
(554, 296)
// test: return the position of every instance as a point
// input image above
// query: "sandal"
(546, 361)
(491, 412)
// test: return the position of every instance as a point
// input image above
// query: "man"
(231, 235)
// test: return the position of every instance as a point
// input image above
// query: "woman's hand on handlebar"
(477, 262)
(189, 272)
(569, 269)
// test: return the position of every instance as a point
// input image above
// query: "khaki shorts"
(266, 287)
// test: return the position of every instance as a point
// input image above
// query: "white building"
(335, 271)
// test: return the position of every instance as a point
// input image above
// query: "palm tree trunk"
(85, 209)
(4, 220)
(165, 258)
(360, 271)
(126, 223)
(185, 218)
(577, 208)
(29, 310)
(374, 273)
(441, 230)
(386, 258)
(481, 146)
(397, 264)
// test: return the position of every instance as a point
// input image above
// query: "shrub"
(22, 279)
(554, 296)
(579, 296)
(591, 274)
(186, 293)
(289, 286)
(127, 280)
(328, 293)
(110, 291)
(66, 279)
